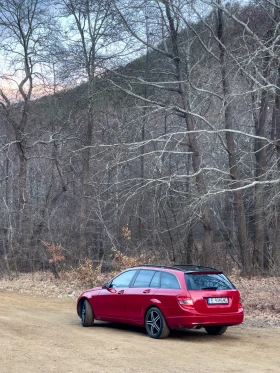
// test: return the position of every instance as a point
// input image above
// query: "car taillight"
(185, 302)
(239, 303)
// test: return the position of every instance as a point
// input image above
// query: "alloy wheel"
(153, 322)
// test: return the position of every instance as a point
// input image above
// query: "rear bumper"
(191, 320)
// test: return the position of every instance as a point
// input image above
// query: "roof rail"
(153, 265)
(180, 267)
(195, 267)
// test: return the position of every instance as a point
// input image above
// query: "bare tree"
(25, 30)
(233, 162)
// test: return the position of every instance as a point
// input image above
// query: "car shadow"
(195, 335)
(119, 326)
(192, 335)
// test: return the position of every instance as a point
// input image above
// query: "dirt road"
(44, 335)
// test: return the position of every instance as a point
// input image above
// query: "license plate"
(217, 300)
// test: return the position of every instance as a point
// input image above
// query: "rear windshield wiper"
(210, 288)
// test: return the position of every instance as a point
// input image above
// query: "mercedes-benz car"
(162, 298)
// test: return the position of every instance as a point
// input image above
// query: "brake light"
(185, 302)
(239, 303)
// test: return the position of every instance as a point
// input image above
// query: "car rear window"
(207, 281)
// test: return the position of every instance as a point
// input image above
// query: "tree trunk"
(276, 246)
(85, 208)
(260, 258)
(194, 147)
(238, 206)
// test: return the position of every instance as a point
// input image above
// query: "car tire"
(87, 314)
(216, 330)
(155, 324)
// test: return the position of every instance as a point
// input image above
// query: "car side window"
(169, 281)
(155, 283)
(143, 278)
(123, 280)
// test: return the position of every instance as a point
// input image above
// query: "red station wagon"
(162, 298)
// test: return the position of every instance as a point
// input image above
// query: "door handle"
(121, 292)
(146, 291)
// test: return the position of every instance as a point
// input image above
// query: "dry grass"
(41, 284)
(261, 299)
(260, 295)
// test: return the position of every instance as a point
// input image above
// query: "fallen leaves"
(260, 295)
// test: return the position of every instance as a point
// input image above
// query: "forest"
(149, 128)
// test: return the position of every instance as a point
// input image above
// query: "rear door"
(137, 297)
(212, 293)
(167, 293)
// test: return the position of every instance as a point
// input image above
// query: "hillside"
(173, 154)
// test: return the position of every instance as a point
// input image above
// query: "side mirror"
(106, 286)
